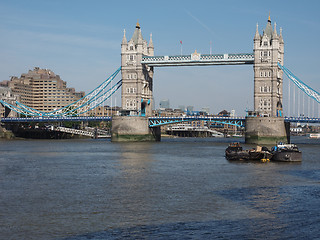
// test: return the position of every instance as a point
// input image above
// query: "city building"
(164, 104)
(206, 110)
(104, 111)
(7, 96)
(190, 109)
(42, 89)
(182, 108)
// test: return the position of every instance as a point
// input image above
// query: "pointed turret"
(150, 42)
(257, 35)
(137, 36)
(280, 36)
(268, 31)
(150, 46)
(124, 39)
(275, 35)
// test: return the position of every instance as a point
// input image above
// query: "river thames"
(180, 188)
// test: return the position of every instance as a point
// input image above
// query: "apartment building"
(42, 89)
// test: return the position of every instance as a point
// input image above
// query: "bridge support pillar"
(133, 129)
(266, 130)
(5, 133)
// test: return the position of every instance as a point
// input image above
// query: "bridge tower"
(268, 77)
(136, 95)
(269, 127)
(137, 78)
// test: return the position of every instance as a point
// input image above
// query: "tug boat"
(286, 153)
(235, 152)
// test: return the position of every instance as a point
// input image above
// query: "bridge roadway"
(158, 121)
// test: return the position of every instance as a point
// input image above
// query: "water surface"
(180, 188)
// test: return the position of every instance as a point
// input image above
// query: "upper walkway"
(197, 59)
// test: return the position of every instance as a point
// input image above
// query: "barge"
(286, 153)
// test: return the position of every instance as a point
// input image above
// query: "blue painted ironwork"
(304, 87)
(161, 121)
(302, 120)
(54, 119)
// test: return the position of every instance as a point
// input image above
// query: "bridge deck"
(154, 119)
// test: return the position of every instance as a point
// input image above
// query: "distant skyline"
(80, 40)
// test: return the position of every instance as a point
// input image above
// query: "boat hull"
(287, 156)
(248, 155)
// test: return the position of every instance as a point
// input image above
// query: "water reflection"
(133, 187)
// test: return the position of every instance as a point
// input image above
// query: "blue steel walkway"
(159, 121)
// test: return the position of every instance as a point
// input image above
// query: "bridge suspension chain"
(304, 87)
(299, 100)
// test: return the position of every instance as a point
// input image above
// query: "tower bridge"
(137, 70)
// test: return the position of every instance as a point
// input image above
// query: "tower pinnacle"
(124, 39)
(257, 35)
(150, 42)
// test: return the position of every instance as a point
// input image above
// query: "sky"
(80, 40)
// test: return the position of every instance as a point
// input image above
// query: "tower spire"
(124, 39)
(257, 35)
(150, 42)
(275, 30)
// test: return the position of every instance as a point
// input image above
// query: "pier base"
(266, 130)
(133, 129)
(6, 134)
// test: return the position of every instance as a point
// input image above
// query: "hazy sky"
(80, 40)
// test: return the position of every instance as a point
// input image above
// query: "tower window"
(265, 43)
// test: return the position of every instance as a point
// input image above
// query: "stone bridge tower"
(137, 79)
(270, 127)
(268, 77)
